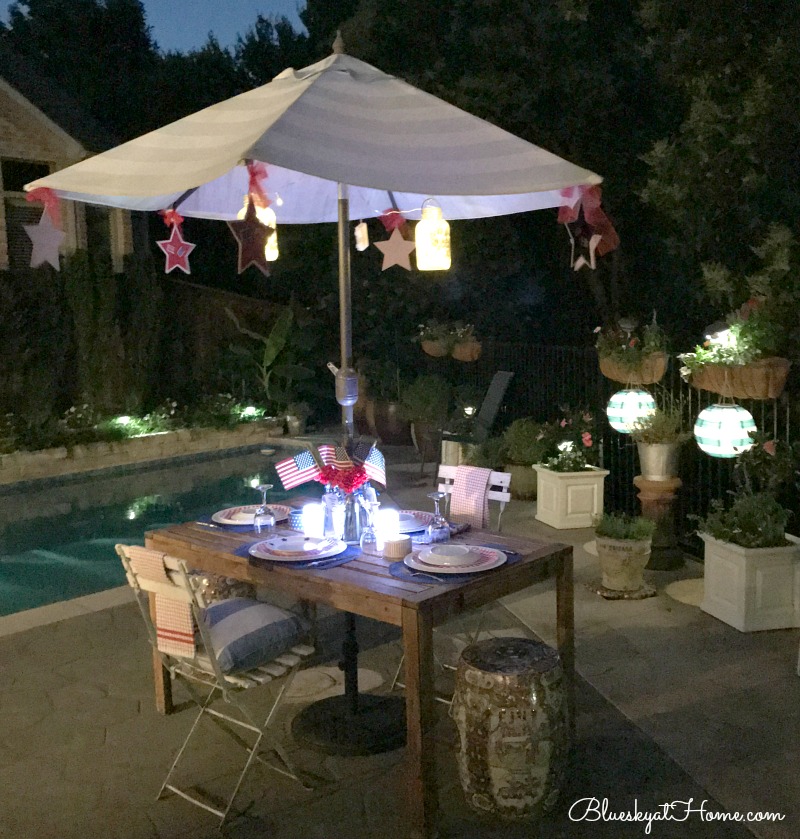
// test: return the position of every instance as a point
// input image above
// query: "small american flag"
(297, 470)
(334, 456)
(372, 461)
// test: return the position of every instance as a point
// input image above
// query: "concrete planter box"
(567, 500)
(51, 463)
(752, 588)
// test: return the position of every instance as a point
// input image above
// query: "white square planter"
(569, 499)
(752, 588)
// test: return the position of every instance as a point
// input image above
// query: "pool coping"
(65, 609)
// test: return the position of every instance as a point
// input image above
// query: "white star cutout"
(46, 239)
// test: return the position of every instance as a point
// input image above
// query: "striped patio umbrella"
(341, 140)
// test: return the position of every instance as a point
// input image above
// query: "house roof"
(55, 103)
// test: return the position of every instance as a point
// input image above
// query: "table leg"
(565, 632)
(162, 680)
(420, 745)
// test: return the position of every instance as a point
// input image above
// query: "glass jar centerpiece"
(345, 513)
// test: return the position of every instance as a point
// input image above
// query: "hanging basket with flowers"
(435, 338)
(630, 358)
(466, 346)
(730, 363)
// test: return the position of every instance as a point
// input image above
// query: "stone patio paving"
(672, 705)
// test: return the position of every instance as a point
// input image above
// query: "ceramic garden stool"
(510, 709)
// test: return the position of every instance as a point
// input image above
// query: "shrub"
(752, 521)
(623, 526)
(526, 442)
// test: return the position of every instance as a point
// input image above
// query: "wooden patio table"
(365, 587)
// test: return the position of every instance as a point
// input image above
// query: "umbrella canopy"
(338, 121)
(341, 140)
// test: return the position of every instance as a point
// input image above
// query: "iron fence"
(548, 378)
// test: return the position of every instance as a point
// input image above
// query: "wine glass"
(438, 530)
(264, 518)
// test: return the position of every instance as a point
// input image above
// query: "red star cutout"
(252, 236)
(177, 251)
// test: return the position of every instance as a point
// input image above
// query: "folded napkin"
(469, 501)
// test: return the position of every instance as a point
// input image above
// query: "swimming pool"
(57, 540)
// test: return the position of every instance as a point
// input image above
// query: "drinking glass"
(370, 541)
(438, 530)
(264, 518)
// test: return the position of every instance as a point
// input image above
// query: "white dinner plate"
(296, 548)
(244, 515)
(412, 521)
(430, 556)
(486, 559)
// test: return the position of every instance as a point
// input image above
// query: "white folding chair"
(184, 642)
(498, 488)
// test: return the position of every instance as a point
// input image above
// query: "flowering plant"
(348, 480)
(627, 345)
(568, 460)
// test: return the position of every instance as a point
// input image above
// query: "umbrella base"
(331, 726)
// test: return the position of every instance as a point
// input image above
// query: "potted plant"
(466, 347)
(658, 437)
(733, 362)
(425, 402)
(752, 567)
(297, 413)
(623, 548)
(632, 356)
(382, 380)
(435, 338)
(569, 490)
(525, 443)
(490, 454)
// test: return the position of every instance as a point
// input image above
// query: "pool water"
(62, 546)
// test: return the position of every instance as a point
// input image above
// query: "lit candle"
(313, 521)
(387, 525)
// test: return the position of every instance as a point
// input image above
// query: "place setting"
(248, 517)
(450, 563)
(299, 551)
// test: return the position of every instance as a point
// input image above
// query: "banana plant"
(267, 359)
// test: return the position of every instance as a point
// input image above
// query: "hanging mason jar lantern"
(724, 430)
(432, 239)
(266, 215)
(627, 407)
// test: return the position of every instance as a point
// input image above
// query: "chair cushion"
(246, 633)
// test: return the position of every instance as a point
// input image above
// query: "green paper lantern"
(724, 430)
(628, 406)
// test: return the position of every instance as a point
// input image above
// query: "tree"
(728, 169)
(100, 52)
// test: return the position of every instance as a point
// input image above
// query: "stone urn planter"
(622, 562)
(752, 589)
(569, 499)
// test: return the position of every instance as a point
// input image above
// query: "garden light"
(627, 407)
(124, 420)
(249, 411)
(724, 430)
(432, 239)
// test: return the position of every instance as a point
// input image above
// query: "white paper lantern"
(626, 407)
(432, 240)
(724, 430)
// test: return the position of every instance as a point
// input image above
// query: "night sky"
(185, 24)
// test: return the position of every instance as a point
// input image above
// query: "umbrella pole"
(346, 379)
